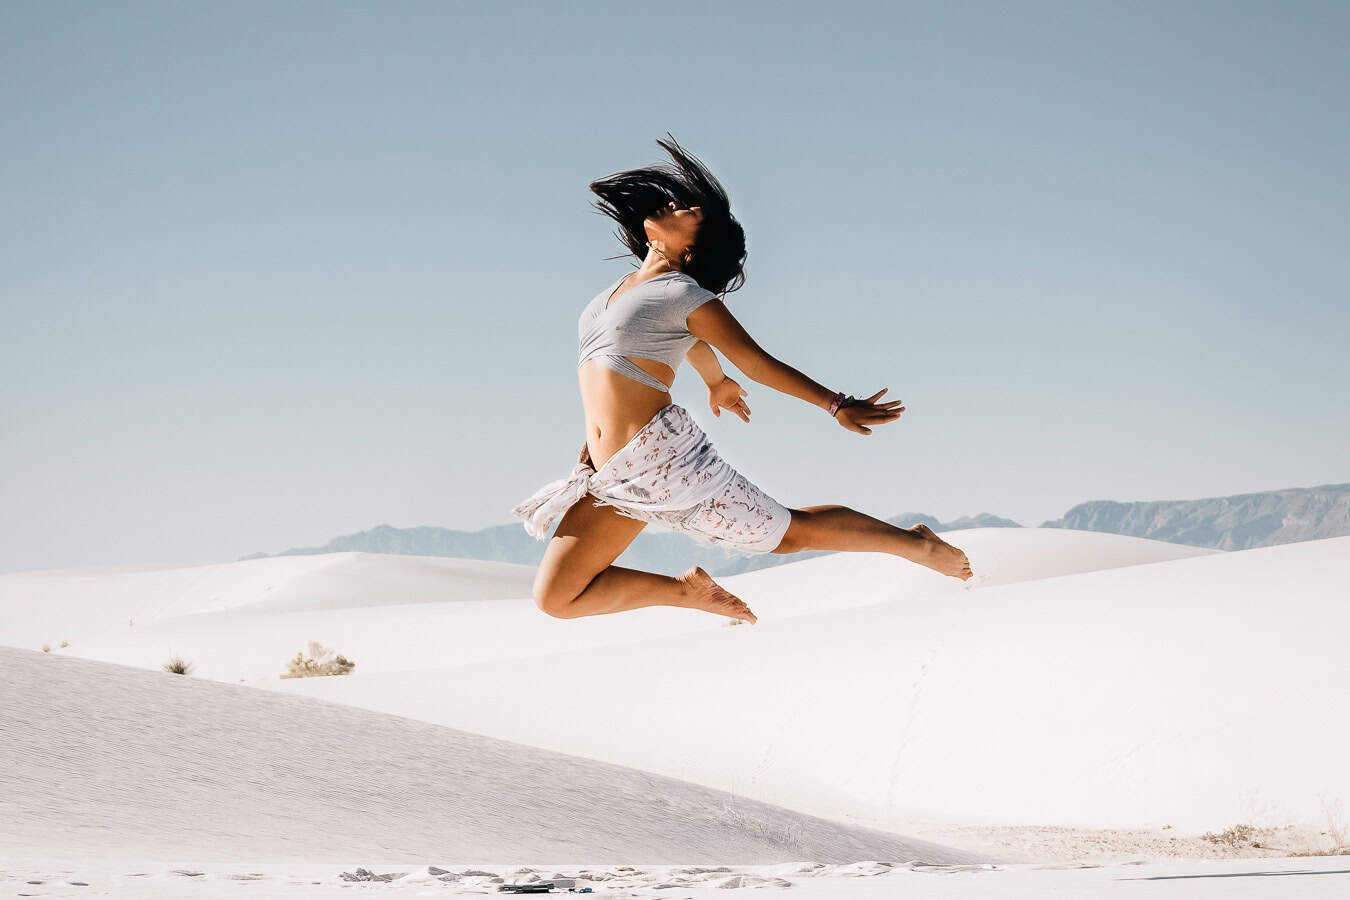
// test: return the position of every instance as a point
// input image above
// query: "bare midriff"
(617, 406)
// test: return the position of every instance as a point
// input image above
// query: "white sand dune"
(243, 620)
(1082, 679)
(998, 556)
(93, 600)
(105, 761)
(1197, 693)
(119, 782)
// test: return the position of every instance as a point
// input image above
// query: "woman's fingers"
(879, 414)
(868, 412)
(871, 411)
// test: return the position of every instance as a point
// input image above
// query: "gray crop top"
(646, 322)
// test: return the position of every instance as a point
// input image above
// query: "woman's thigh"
(587, 540)
(743, 516)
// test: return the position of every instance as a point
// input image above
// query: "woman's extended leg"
(575, 577)
(835, 527)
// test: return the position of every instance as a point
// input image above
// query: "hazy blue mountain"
(500, 543)
(983, 520)
(1225, 523)
(653, 550)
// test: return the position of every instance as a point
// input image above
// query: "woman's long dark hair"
(717, 257)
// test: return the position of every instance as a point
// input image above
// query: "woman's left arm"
(704, 358)
(723, 392)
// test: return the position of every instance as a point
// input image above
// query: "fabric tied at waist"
(670, 464)
(552, 500)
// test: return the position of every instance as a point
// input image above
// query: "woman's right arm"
(714, 323)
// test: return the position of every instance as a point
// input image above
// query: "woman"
(657, 465)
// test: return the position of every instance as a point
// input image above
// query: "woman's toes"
(709, 596)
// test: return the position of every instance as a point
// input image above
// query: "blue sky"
(274, 272)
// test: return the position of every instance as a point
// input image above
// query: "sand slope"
(1197, 692)
(98, 760)
(68, 604)
(1082, 679)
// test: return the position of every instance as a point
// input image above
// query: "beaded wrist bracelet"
(837, 402)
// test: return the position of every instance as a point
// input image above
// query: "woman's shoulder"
(687, 289)
(686, 295)
(684, 283)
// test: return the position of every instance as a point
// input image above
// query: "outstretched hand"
(727, 394)
(857, 415)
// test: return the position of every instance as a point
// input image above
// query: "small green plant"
(46, 648)
(321, 661)
(179, 666)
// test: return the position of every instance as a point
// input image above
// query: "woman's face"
(674, 226)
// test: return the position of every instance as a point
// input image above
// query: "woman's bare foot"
(942, 557)
(701, 592)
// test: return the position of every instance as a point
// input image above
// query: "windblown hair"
(717, 257)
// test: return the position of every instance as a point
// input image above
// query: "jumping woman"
(657, 464)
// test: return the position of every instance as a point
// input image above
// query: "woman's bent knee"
(556, 610)
(553, 604)
(550, 600)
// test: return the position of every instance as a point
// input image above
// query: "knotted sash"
(670, 464)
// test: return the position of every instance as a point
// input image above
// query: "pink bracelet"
(837, 402)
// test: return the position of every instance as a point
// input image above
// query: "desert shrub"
(179, 666)
(46, 648)
(321, 661)
(1233, 837)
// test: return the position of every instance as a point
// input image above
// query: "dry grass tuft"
(321, 661)
(179, 666)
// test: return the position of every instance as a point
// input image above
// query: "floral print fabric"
(742, 518)
(668, 473)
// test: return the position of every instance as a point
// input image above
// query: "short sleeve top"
(648, 321)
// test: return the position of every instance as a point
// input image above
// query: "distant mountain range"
(1226, 523)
